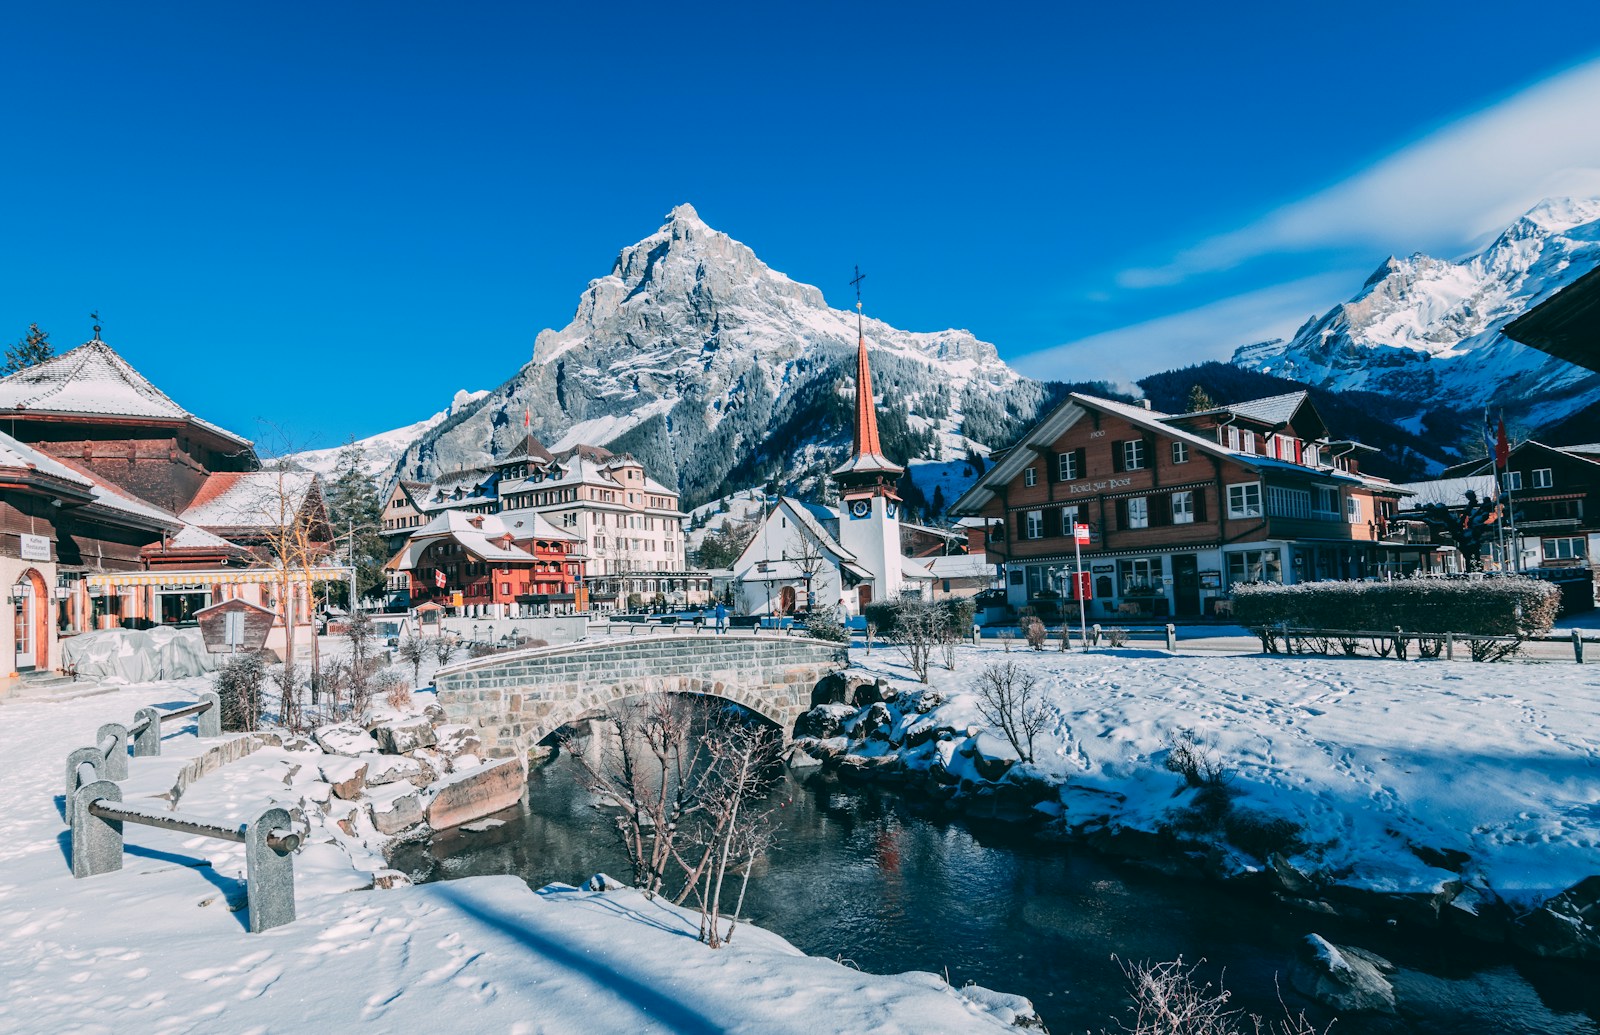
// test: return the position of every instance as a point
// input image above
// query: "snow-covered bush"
(1033, 630)
(1507, 606)
(824, 625)
(239, 688)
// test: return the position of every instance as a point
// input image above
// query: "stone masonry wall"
(516, 700)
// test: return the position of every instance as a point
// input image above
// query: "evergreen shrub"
(1499, 606)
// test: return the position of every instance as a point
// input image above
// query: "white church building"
(805, 556)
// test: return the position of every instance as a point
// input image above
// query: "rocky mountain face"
(1428, 330)
(719, 372)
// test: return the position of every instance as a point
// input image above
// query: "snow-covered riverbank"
(159, 947)
(1473, 782)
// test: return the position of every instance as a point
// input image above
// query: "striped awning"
(216, 577)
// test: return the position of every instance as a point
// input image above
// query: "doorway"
(30, 600)
(786, 600)
(1185, 585)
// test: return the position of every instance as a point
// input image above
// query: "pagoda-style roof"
(92, 382)
(530, 448)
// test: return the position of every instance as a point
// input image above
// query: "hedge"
(1499, 606)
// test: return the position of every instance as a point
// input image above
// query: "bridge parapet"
(516, 700)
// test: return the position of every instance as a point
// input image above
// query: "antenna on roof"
(95, 316)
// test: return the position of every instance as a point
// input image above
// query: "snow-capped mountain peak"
(692, 353)
(1428, 329)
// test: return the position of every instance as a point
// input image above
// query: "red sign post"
(1080, 579)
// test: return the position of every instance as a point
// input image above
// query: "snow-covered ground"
(1371, 757)
(160, 946)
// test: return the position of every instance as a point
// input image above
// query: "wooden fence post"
(1449, 646)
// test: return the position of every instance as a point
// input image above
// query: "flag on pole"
(1502, 448)
(438, 577)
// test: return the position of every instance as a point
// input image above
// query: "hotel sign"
(35, 548)
(1078, 488)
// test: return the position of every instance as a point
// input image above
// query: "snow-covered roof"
(1451, 490)
(193, 537)
(1274, 409)
(18, 454)
(250, 499)
(803, 515)
(92, 380)
(482, 535)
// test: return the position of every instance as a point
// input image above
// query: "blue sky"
(332, 216)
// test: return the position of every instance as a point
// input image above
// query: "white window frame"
(1067, 466)
(1030, 477)
(1288, 503)
(1180, 452)
(1352, 509)
(1247, 440)
(1240, 504)
(1035, 525)
(1543, 478)
(1233, 437)
(1183, 507)
(1138, 512)
(1563, 548)
(1133, 454)
(1512, 480)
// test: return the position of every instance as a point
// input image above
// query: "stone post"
(91, 756)
(976, 633)
(1172, 638)
(269, 874)
(209, 722)
(148, 740)
(117, 752)
(96, 842)
(1577, 646)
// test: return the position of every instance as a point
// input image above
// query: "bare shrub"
(398, 697)
(1351, 645)
(444, 648)
(1117, 637)
(1430, 646)
(1190, 758)
(1009, 699)
(238, 684)
(1034, 632)
(872, 634)
(1006, 636)
(388, 683)
(1170, 999)
(948, 641)
(1494, 650)
(291, 713)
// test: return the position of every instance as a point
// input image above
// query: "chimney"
(1145, 403)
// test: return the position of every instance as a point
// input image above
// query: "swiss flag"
(438, 577)
(1502, 448)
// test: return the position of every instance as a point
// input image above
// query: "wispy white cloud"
(1209, 332)
(1441, 192)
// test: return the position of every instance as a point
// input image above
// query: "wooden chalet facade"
(104, 484)
(1182, 507)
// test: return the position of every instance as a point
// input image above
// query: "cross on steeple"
(857, 285)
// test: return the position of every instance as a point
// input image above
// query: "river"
(877, 880)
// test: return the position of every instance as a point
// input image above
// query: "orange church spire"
(866, 412)
(867, 465)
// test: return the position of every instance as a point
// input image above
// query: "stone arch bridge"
(516, 700)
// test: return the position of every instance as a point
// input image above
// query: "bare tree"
(444, 649)
(733, 831)
(807, 555)
(1170, 999)
(414, 650)
(1009, 698)
(917, 624)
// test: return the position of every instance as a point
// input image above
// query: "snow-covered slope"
(720, 372)
(384, 448)
(1428, 329)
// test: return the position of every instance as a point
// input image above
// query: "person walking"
(722, 618)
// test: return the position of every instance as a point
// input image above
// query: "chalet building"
(1547, 489)
(495, 566)
(1182, 507)
(108, 509)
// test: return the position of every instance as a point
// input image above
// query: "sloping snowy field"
(156, 947)
(1370, 756)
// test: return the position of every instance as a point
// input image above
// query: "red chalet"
(493, 565)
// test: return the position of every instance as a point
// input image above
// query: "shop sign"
(35, 548)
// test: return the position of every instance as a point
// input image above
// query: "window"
(1244, 500)
(1567, 548)
(1512, 480)
(1542, 478)
(1312, 456)
(1030, 477)
(1035, 529)
(1132, 454)
(1326, 503)
(1138, 512)
(1180, 452)
(1288, 503)
(1233, 438)
(1352, 509)
(1067, 467)
(1069, 517)
(1141, 576)
(1254, 566)
(1183, 508)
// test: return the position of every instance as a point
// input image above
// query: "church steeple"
(867, 471)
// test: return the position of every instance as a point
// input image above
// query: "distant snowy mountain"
(384, 448)
(1428, 330)
(721, 373)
